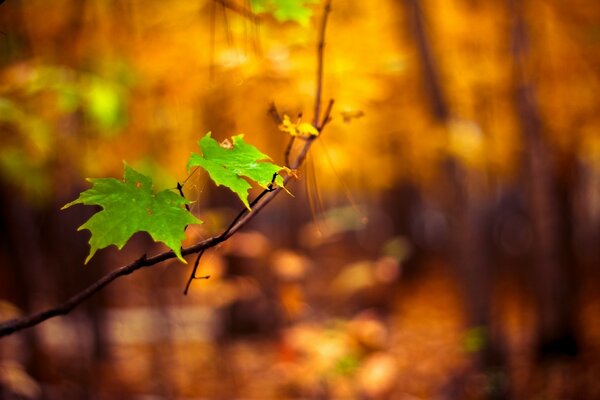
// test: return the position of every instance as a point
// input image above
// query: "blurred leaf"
(369, 330)
(25, 173)
(130, 206)
(249, 244)
(286, 10)
(8, 310)
(349, 115)
(101, 99)
(398, 247)
(378, 375)
(68, 99)
(347, 364)
(475, 339)
(15, 380)
(25, 150)
(103, 103)
(302, 129)
(8, 110)
(354, 277)
(289, 265)
(466, 142)
(228, 162)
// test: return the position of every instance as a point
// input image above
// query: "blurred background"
(442, 241)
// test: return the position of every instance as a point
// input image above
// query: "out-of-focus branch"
(430, 72)
(15, 325)
(243, 11)
(320, 59)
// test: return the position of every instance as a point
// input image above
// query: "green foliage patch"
(286, 10)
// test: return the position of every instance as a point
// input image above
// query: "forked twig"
(226, 233)
(194, 270)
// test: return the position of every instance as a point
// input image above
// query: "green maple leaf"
(227, 163)
(286, 10)
(130, 206)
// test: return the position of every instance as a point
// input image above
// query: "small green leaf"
(130, 206)
(227, 163)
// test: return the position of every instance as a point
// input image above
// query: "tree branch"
(264, 198)
(320, 59)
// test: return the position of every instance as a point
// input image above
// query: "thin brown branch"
(212, 42)
(275, 113)
(430, 70)
(278, 120)
(320, 63)
(264, 198)
(288, 150)
(326, 116)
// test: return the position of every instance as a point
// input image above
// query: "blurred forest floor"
(418, 347)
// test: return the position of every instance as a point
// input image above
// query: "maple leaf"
(228, 163)
(130, 206)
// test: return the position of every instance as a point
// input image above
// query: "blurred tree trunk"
(550, 212)
(468, 210)
(64, 251)
(161, 355)
(15, 43)
(44, 255)
(25, 286)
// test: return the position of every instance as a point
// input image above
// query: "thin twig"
(278, 120)
(320, 58)
(193, 274)
(228, 33)
(326, 116)
(275, 113)
(264, 198)
(213, 38)
(288, 150)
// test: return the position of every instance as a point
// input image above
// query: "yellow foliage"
(194, 66)
(300, 129)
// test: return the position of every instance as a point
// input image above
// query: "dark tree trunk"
(24, 285)
(550, 213)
